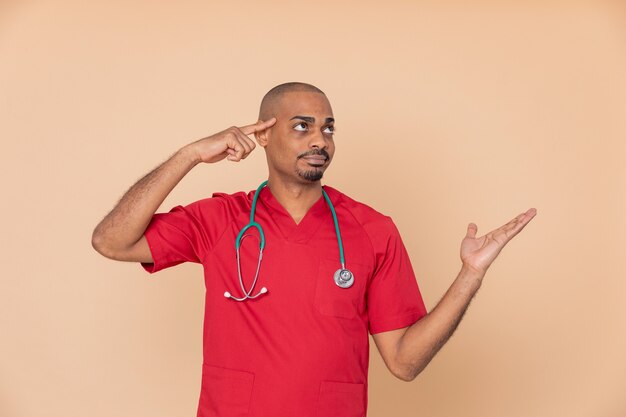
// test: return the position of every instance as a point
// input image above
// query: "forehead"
(304, 103)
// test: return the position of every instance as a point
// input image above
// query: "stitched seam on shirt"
(221, 235)
(369, 238)
(198, 225)
(395, 318)
(182, 232)
(154, 247)
(376, 325)
(210, 251)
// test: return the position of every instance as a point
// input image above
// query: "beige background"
(446, 114)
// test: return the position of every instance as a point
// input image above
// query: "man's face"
(300, 144)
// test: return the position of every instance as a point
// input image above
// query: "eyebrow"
(312, 119)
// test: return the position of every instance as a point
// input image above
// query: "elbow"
(405, 374)
(406, 377)
(408, 373)
(403, 378)
(111, 249)
(98, 244)
(409, 376)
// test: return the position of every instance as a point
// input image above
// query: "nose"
(318, 140)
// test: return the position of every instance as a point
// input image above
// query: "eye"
(332, 129)
(301, 123)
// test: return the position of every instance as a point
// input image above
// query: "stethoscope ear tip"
(263, 290)
(227, 294)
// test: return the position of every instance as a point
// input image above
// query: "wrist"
(472, 274)
(189, 154)
(470, 268)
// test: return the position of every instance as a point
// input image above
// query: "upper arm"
(137, 252)
(394, 300)
(387, 344)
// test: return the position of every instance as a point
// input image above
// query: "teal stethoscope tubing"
(342, 277)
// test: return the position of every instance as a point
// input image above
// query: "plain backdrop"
(447, 113)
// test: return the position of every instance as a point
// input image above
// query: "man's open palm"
(479, 253)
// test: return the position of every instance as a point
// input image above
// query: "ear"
(262, 136)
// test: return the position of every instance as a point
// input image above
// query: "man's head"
(299, 146)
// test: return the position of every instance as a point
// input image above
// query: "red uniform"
(301, 349)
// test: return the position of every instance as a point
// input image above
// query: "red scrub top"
(302, 348)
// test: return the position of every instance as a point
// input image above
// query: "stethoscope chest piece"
(344, 278)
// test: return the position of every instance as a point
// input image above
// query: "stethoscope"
(343, 277)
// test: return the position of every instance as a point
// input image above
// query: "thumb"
(471, 230)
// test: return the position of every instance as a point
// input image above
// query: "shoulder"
(373, 221)
(223, 203)
(238, 199)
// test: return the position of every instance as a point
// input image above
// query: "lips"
(315, 159)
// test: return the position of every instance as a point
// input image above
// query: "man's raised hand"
(479, 253)
(232, 143)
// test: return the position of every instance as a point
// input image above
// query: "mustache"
(321, 152)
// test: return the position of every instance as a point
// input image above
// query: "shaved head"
(272, 98)
(299, 145)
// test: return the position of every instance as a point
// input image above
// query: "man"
(299, 345)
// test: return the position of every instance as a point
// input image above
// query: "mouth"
(315, 160)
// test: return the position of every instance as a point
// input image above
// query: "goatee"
(312, 175)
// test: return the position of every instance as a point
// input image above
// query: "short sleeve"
(183, 234)
(393, 296)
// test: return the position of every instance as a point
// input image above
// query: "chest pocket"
(334, 301)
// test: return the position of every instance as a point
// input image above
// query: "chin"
(311, 176)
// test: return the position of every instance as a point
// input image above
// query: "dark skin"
(295, 130)
(299, 148)
(294, 172)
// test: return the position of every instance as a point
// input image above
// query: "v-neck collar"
(298, 233)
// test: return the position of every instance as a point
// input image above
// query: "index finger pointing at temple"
(258, 126)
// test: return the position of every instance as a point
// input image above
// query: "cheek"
(331, 148)
(284, 154)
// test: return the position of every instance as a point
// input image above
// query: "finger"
(516, 225)
(238, 150)
(531, 212)
(250, 144)
(246, 142)
(512, 224)
(471, 230)
(524, 218)
(245, 139)
(231, 155)
(258, 126)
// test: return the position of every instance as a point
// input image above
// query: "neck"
(297, 197)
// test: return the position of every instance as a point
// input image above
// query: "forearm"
(127, 222)
(424, 338)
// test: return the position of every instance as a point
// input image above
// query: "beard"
(316, 173)
(312, 175)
